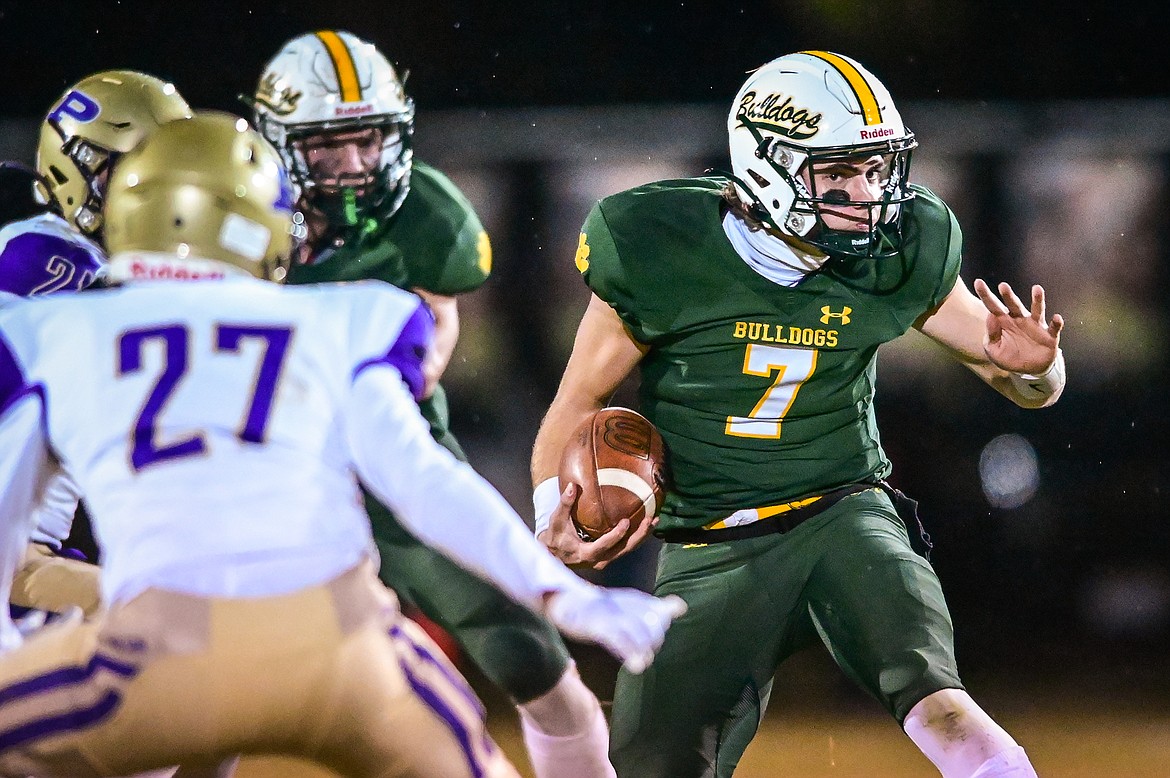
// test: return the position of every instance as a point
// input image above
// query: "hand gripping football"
(618, 461)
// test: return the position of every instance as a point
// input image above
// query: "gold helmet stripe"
(870, 110)
(347, 78)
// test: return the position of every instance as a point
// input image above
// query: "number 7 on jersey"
(793, 366)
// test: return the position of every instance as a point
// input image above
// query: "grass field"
(853, 746)
(861, 746)
(1086, 726)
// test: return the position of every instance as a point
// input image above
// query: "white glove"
(629, 623)
(34, 621)
(30, 622)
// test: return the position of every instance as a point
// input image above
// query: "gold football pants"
(334, 674)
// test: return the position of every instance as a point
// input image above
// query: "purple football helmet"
(43, 254)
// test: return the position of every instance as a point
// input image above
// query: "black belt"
(773, 525)
(781, 523)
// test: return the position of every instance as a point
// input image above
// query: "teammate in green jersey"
(336, 110)
(753, 306)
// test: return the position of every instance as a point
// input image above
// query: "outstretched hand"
(630, 623)
(1019, 339)
(562, 539)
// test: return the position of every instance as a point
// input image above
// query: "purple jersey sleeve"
(409, 350)
(12, 383)
(42, 255)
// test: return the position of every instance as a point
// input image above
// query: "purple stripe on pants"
(65, 677)
(63, 722)
(440, 706)
(435, 703)
(55, 680)
(454, 679)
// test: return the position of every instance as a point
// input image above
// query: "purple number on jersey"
(143, 451)
(42, 255)
(175, 338)
(227, 338)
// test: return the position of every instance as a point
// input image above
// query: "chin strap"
(755, 209)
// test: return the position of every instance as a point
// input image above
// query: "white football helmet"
(331, 81)
(803, 109)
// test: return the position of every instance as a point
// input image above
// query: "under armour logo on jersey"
(77, 105)
(828, 314)
(582, 258)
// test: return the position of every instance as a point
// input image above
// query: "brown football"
(617, 459)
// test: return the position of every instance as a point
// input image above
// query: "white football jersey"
(216, 429)
(54, 516)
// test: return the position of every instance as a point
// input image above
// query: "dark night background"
(1071, 586)
(474, 54)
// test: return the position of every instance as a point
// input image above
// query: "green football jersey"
(763, 393)
(434, 242)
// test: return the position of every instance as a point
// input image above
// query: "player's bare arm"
(446, 312)
(603, 354)
(1013, 347)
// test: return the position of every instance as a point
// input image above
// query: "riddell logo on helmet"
(359, 109)
(154, 268)
(877, 133)
(171, 271)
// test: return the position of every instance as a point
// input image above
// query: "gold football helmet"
(95, 120)
(206, 188)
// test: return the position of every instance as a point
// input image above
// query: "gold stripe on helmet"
(870, 110)
(347, 78)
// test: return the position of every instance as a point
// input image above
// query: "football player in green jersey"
(753, 306)
(336, 110)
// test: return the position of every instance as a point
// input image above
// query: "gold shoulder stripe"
(870, 110)
(347, 78)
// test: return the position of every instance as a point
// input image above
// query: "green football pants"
(847, 574)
